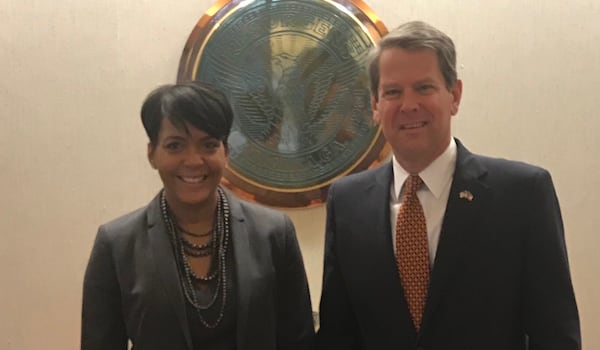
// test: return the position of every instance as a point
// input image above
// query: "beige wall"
(72, 151)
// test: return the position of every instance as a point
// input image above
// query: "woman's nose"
(194, 157)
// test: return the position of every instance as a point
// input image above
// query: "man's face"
(414, 106)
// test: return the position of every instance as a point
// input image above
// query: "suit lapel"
(379, 227)
(377, 197)
(166, 266)
(381, 260)
(468, 197)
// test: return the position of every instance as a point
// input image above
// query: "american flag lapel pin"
(466, 195)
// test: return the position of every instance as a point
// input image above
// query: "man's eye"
(391, 92)
(424, 88)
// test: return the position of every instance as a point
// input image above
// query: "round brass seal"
(294, 71)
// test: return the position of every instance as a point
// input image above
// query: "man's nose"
(410, 102)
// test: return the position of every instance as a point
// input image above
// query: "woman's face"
(190, 165)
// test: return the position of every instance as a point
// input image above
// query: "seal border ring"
(373, 155)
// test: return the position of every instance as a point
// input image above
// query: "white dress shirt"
(433, 195)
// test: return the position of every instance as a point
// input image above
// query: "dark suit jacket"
(132, 290)
(500, 279)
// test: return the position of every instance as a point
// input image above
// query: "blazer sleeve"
(338, 324)
(102, 324)
(550, 311)
(295, 329)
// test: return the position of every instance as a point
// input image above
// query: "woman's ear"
(151, 155)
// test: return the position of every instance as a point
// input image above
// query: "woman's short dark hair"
(193, 103)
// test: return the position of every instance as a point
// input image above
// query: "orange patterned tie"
(412, 249)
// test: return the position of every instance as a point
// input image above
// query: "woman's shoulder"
(133, 218)
(127, 225)
(250, 208)
(259, 218)
(245, 208)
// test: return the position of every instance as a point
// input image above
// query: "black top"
(223, 336)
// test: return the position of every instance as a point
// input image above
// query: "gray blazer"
(132, 291)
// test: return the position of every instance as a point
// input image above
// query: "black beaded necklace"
(197, 250)
(207, 233)
(219, 243)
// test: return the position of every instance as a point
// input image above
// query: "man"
(469, 254)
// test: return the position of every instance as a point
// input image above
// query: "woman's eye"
(174, 146)
(212, 145)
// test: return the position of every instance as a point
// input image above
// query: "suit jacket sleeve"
(338, 324)
(550, 311)
(102, 324)
(295, 330)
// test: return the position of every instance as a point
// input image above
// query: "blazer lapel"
(244, 270)
(468, 196)
(166, 266)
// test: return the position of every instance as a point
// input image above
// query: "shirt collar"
(436, 176)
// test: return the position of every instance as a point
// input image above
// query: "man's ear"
(457, 94)
(151, 155)
(376, 117)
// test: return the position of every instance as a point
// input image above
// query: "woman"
(196, 268)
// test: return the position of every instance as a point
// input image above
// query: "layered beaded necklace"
(197, 250)
(217, 247)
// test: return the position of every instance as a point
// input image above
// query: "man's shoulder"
(508, 177)
(498, 165)
(365, 177)
(494, 165)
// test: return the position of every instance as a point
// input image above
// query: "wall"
(72, 150)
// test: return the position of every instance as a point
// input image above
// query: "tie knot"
(412, 184)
